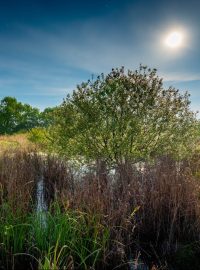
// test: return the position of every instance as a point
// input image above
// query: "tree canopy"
(125, 115)
(15, 116)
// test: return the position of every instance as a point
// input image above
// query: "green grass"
(61, 239)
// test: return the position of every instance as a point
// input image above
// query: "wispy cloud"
(180, 77)
(50, 62)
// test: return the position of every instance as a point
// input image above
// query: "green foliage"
(17, 117)
(55, 242)
(39, 136)
(76, 235)
(47, 116)
(125, 116)
(14, 228)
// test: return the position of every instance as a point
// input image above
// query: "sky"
(47, 47)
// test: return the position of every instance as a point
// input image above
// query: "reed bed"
(100, 218)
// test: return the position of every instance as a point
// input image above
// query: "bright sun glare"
(174, 39)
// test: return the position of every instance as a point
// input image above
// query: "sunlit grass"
(14, 142)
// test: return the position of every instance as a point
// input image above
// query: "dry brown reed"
(152, 211)
(18, 175)
(156, 208)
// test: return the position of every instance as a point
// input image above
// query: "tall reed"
(101, 219)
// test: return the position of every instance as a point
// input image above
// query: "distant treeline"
(17, 117)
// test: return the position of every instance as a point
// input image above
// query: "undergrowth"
(100, 219)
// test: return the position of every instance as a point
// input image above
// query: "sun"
(174, 39)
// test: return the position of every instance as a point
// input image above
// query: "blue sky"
(47, 47)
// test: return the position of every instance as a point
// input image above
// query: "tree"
(15, 116)
(47, 116)
(29, 118)
(10, 111)
(125, 116)
(39, 135)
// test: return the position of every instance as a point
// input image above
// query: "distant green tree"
(47, 116)
(40, 135)
(29, 118)
(10, 111)
(125, 116)
(15, 116)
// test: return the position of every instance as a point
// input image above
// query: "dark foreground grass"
(99, 219)
(51, 240)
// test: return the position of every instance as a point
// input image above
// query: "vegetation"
(40, 138)
(125, 116)
(101, 221)
(14, 142)
(73, 242)
(107, 180)
(18, 117)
